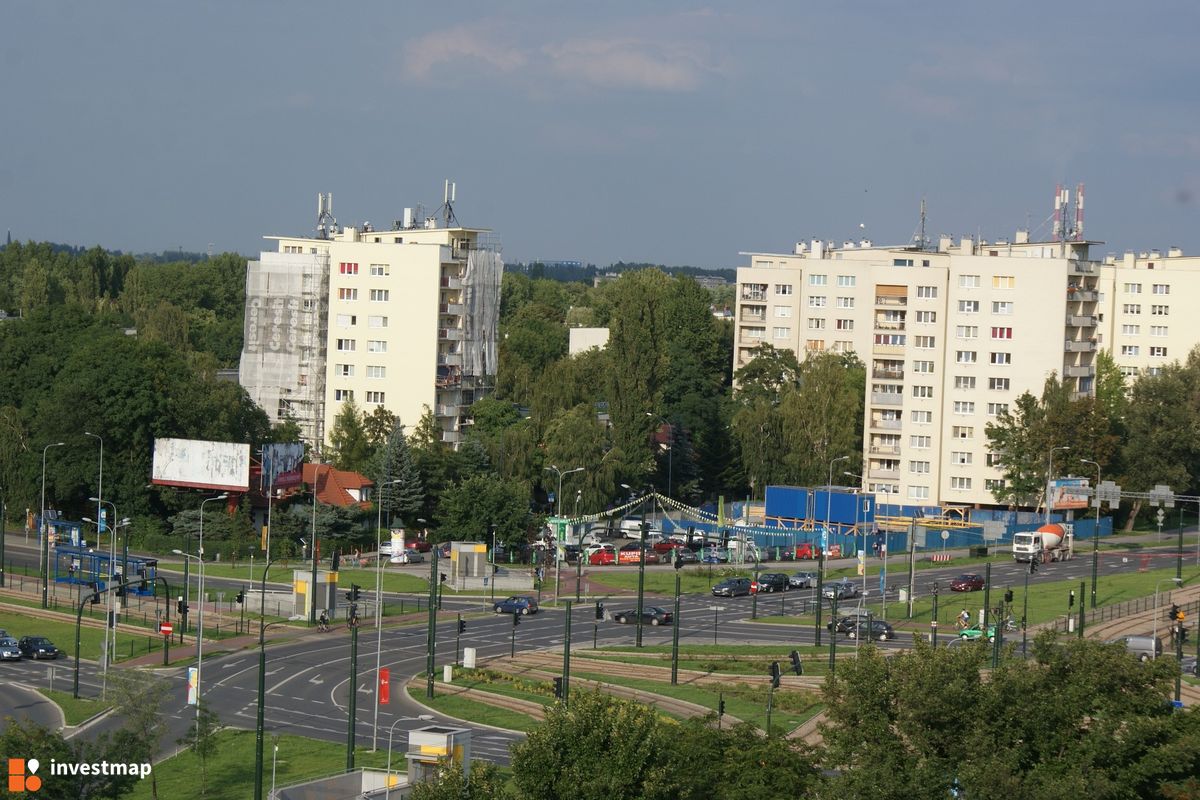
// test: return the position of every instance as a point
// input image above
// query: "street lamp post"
(558, 494)
(262, 678)
(109, 631)
(670, 450)
(857, 504)
(200, 600)
(1095, 530)
(43, 533)
(825, 544)
(1050, 475)
(98, 499)
(379, 604)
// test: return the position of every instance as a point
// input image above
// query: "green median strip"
(478, 711)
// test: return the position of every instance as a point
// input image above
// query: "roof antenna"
(326, 224)
(919, 238)
(448, 218)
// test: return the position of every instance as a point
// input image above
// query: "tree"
(598, 748)
(470, 508)
(138, 699)
(767, 374)
(202, 739)
(404, 498)
(26, 739)
(1162, 432)
(349, 448)
(484, 783)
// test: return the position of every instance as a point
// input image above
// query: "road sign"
(166, 628)
(385, 686)
(945, 535)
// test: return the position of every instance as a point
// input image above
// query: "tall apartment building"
(400, 319)
(950, 337)
(1138, 291)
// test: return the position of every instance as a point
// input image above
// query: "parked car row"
(35, 647)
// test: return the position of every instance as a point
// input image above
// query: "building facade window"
(1158, 352)
(960, 483)
(961, 457)
(375, 398)
(964, 381)
(783, 288)
(346, 345)
(818, 280)
(993, 484)
(968, 306)
(1131, 308)
(816, 323)
(920, 442)
(1159, 311)
(996, 409)
(918, 492)
(347, 293)
(924, 342)
(343, 370)
(999, 384)
(374, 371)
(379, 270)
(919, 467)
(348, 268)
(992, 459)
(782, 332)
(845, 302)
(927, 292)
(1133, 288)
(926, 317)
(923, 367)
(968, 281)
(922, 417)
(1001, 333)
(962, 432)
(376, 346)
(922, 391)
(1131, 330)
(844, 324)
(1158, 330)
(377, 322)
(966, 331)
(964, 407)
(783, 312)
(1002, 307)
(1161, 288)
(379, 295)
(1001, 358)
(816, 301)
(1004, 282)
(341, 395)
(846, 280)
(346, 320)
(965, 356)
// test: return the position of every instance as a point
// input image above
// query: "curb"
(413, 678)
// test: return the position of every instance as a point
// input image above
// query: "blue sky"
(670, 132)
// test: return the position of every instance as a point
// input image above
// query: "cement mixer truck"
(1051, 542)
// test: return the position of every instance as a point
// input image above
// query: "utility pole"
(645, 530)
(353, 715)
(675, 631)
(933, 620)
(431, 644)
(987, 594)
(1082, 584)
(566, 682)
(833, 633)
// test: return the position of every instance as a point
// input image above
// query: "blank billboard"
(202, 465)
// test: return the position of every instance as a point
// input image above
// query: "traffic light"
(355, 593)
(1174, 612)
(181, 606)
(516, 619)
(337, 561)
(1008, 596)
(775, 675)
(241, 596)
(558, 688)
(95, 594)
(462, 626)
(1071, 599)
(120, 590)
(353, 614)
(721, 707)
(797, 665)
(599, 610)
(678, 560)
(442, 577)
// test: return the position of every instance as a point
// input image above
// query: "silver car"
(9, 650)
(803, 580)
(842, 590)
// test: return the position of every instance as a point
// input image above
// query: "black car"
(773, 582)
(732, 587)
(651, 615)
(879, 630)
(37, 647)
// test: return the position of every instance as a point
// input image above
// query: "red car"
(808, 550)
(968, 582)
(602, 558)
(667, 546)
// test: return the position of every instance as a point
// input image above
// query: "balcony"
(1082, 346)
(453, 284)
(884, 473)
(1083, 268)
(1077, 295)
(450, 334)
(449, 359)
(1080, 395)
(1081, 321)
(452, 309)
(450, 437)
(754, 295)
(445, 411)
(891, 301)
(886, 424)
(888, 374)
(889, 325)
(888, 349)
(759, 315)
(751, 341)
(1079, 372)
(887, 399)
(885, 450)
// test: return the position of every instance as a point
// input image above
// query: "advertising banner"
(282, 465)
(201, 465)
(1068, 493)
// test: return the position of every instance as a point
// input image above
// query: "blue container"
(787, 502)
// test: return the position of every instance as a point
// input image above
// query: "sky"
(668, 132)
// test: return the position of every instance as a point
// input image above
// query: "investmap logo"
(22, 775)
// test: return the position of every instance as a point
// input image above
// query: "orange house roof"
(334, 485)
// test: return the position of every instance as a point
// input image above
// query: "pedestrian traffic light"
(1008, 596)
(336, 561)
(1071, 599)
(599, 610)
(241, 597)
(1174, 612)
(797, 665)
(120, 590)
(678, 560)
(775, 675)
(180, 606)
(442, 577)
(558, 688)
(721, 707)
(353, 613)
(95, 598)
(355, 593)
(462, 626)
(516, 619)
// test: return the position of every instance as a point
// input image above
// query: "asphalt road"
(18, 701)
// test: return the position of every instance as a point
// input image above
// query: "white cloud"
(456, 46)
(629, 63)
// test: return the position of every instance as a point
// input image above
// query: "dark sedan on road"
(651, 615)
(517, 604)
(879, 630)
(732, 587)
(773, 582)
(967, 582)
(37, 647)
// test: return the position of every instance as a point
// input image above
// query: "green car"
(973, 633)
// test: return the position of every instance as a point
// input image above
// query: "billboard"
(1068, 493)
(282, 465)
(201, 465)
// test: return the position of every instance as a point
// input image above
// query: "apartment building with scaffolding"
(950, 336)
(402, 319)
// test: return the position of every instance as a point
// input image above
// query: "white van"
(631, 527)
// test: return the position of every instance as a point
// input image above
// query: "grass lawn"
(476, 711)
(393, 581)
(230, 770)
(63, 636)
(749, 703)
(816, 660)
(75, 711)
(509, 685)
